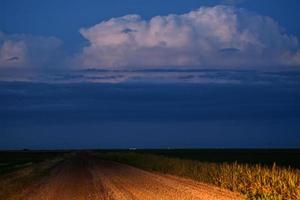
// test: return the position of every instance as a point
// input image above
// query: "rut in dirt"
(85, 177)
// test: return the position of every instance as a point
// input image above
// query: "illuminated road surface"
(85, 177)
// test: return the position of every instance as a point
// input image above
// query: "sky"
(149, 74)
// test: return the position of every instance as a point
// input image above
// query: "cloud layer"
(220, 36)
(21, 50)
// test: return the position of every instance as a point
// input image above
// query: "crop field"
(256, 174)
(282, 157)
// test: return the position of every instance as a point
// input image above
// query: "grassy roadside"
(13, 160)
(253, 181)
(12, 183)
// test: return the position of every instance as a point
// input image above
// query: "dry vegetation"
(15, 181)
(253, 181)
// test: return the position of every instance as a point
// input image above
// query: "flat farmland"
(86, 176)
(150, 174)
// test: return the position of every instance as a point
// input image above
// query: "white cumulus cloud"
(220, 36)
(21, 50)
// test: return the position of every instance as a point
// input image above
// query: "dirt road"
(88, 178)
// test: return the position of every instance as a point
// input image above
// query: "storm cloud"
(220, 36)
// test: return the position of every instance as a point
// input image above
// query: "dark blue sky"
(149, 115)
(210, 73)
